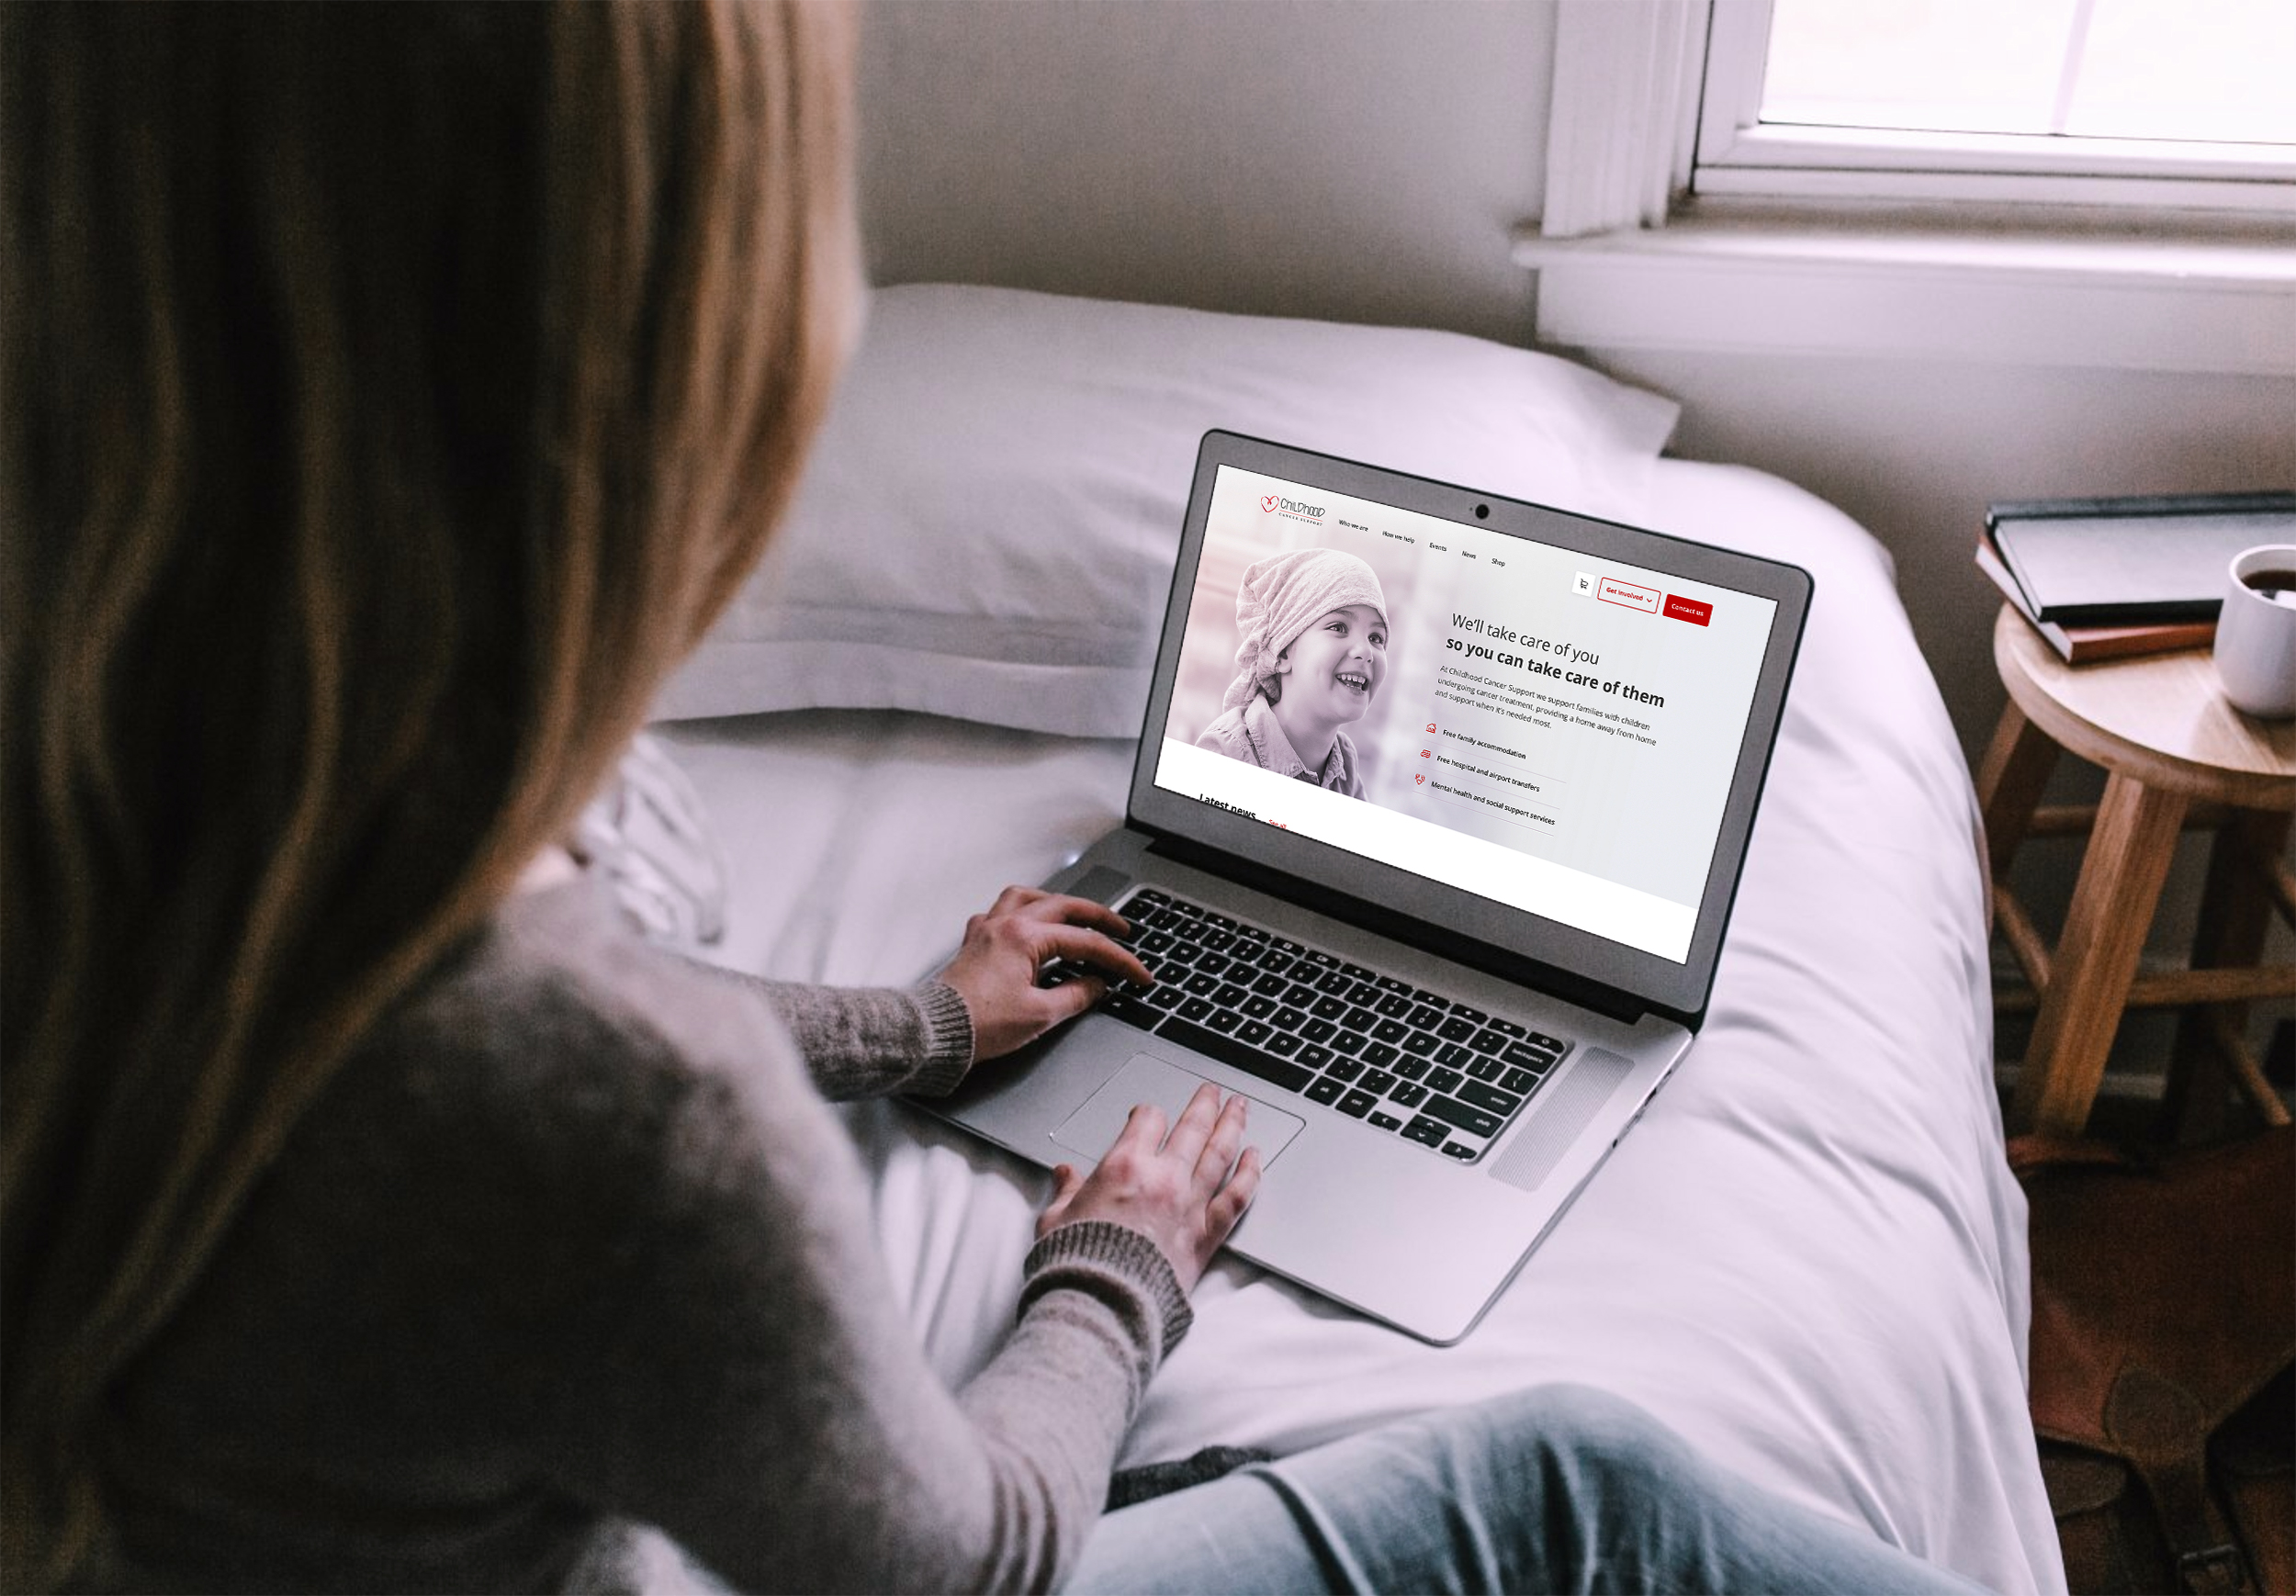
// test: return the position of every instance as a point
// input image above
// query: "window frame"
(1740, 156)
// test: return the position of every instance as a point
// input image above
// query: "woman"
(393, 395)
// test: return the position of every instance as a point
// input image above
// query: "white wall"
(1328, 158)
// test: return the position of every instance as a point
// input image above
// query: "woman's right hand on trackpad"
(1183, 1184)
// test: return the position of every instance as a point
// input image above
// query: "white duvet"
(1809, 1256)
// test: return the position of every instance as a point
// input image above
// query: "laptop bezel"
(1504, 940)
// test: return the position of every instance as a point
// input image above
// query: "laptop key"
(1254, 1031)
(1259, 1008)
(1227, 1051)
(1485, 1069)
(1410, 1094)
(1229, 995)
(1358, 1104)
(1224, 1022)
(1131, 1010)
(1349, 1041)
(1388, 1030)
(1488, 1041)
(1363, 994)
(1384, 1121)
(1289, 1018)
(1444, 1080)
(1381, 1054)
(1419, 1044)
(1276, 964)
(1428, 1132)
(1549, 1043)
(1345, 1069)
(1508, 1028)
(1325, 1091)
(1425, 1017)
(1287, 947)
(1483, 1097)
(1411, 1069)
(1214, 963)
(1377, 1082)
(1358, 971)
(1477, 1014)
(1299, 996)
(1319, 1030)
(1315, 1057)
(1284, 1045)
(1166, 997)
(1361, 1019)
(1201, 985)
(1461, 1151)
(1395, 1005)
(1523, 1058)
(1389, 983)
(1458, 1028)
(1332, 983)
(1518, 1080)
(1474, 1121)
(1329, 1008)
(1452, 1056)
(1270, 985)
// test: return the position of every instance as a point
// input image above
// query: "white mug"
(2255, 634)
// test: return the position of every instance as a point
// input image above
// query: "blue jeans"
(1558, 1488)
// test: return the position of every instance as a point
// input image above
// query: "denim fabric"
(1558, 1488)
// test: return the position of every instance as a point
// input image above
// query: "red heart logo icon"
(1427, 753)
(1420, 778)
(1269, 503)
(1430, 725)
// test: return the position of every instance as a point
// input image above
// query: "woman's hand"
(996, 971)
(1185, 1191)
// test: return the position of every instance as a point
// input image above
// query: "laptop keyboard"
(1398, 1057)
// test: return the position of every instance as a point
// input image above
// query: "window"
(2108, 184)
(2170, 104)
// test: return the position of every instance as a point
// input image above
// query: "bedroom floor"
(2129, 1111)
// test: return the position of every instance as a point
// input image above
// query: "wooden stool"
(2176, 755)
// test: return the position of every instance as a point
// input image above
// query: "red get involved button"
(1690, 610)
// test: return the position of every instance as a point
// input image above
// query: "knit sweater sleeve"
(870, 1041)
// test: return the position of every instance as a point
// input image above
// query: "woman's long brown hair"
(392, 396)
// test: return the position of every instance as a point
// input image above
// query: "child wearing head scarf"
(1312, 652)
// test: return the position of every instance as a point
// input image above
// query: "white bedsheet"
(1809, 1257)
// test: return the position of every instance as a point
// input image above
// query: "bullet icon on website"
(1431, 726)
(1427, 753)
(1419, 778)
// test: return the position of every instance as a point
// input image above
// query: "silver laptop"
(1432, 839)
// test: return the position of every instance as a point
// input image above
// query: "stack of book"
(2104, 579)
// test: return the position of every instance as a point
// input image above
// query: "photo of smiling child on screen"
(1311, 653)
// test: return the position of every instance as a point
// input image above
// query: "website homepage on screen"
(1551, 730)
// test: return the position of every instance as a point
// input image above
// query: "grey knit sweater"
(574, 1243)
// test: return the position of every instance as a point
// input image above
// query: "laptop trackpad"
(1092, 1129)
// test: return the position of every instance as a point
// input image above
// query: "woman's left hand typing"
(996, 969)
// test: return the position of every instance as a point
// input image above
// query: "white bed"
(1809, 1257)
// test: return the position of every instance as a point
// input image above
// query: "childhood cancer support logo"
(1271, 504)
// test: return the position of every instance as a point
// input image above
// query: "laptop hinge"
(1431, 938)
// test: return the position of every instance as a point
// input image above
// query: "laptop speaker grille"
(1580, 1094)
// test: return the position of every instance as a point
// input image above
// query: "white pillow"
(986, 526)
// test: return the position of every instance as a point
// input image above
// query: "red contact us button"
(1690, 610)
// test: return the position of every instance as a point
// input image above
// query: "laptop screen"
(1552, 730)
